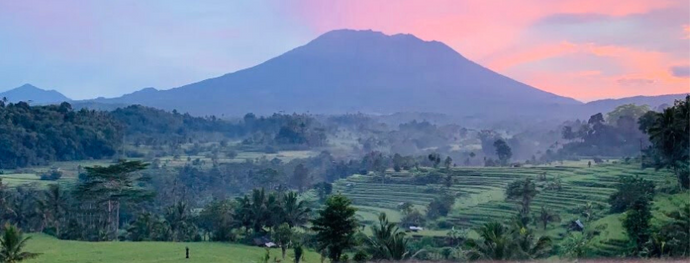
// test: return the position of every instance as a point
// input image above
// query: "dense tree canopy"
(669, 133)
(38, 135)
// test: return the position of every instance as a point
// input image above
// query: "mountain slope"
(28, 92)
(654, 102)
(347, 71)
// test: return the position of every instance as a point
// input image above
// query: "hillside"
(654, 102)
(28, 92)
(348, 71)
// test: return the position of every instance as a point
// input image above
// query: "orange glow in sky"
(585, 49)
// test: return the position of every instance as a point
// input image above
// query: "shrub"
(52, 175)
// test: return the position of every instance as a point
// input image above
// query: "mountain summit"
(366, 71)
(28, 92)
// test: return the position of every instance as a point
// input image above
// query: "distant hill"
(654, 102)
(28, 92)
(358, 71)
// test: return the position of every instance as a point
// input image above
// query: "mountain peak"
(28, 86)
(358, 70)
(28, 92)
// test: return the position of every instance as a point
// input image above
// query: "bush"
(444, 224)
(629, 190)
(360, 257)
(53, 175)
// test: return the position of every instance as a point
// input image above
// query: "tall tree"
(494, 243)
(55, 203)
(113, 186)
(335, 226)
(294, 212)
(524, 191)
(283, 235)
(547, 216)
(387, 241)
(669, 133)
(503, 151)
(629, 190)
(300, 177)
(637, 222)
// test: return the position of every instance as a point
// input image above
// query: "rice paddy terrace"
(570, 190)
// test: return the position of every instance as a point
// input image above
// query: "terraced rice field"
(480, 196)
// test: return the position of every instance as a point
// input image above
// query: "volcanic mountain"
(358, 71)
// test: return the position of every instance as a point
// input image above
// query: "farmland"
(480, 196)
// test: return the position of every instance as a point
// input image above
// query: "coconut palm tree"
(387, 241)
(528, 246)
(495, 243)
(295, 213)
(12, 244)
(55, 203)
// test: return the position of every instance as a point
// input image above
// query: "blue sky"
(584, 49)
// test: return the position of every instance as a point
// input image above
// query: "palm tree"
(258, 211)
(387, 241)
(55, 203)
(178, 218)
(576, 245)
(528, 246)
(494, 244)
(12, 244)
(295, 213)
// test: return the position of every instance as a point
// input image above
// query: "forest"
(349, 188)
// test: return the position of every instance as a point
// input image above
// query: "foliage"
(577, 245)
(495, 243)
(499, 242)
(619, 136)
(524, 191)
(335, 226)
(283, 236)
(387, 241)
(546, 216)
(503, 151)
(52, 175)
(440, 206)
(629, 190)
(672, 239)
(38, 135)
(111, 187)
(669, 133)
(637, 223)
(626, 111)
(13, 243)
(218, 219)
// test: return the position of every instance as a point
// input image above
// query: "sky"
(584, 49)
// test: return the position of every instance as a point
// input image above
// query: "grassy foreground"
(59, 251)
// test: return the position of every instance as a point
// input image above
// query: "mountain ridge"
(347, 70)
(28, 92)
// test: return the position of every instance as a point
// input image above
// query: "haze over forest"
(461, 131)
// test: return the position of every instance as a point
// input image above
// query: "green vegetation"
(353, 188)
(38, 135)
(61, 251)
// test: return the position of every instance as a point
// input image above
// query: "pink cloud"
(497, 34)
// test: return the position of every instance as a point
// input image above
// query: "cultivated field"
(480, 196)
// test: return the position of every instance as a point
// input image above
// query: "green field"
(480, 197)
(70, 170)
(58, 251)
